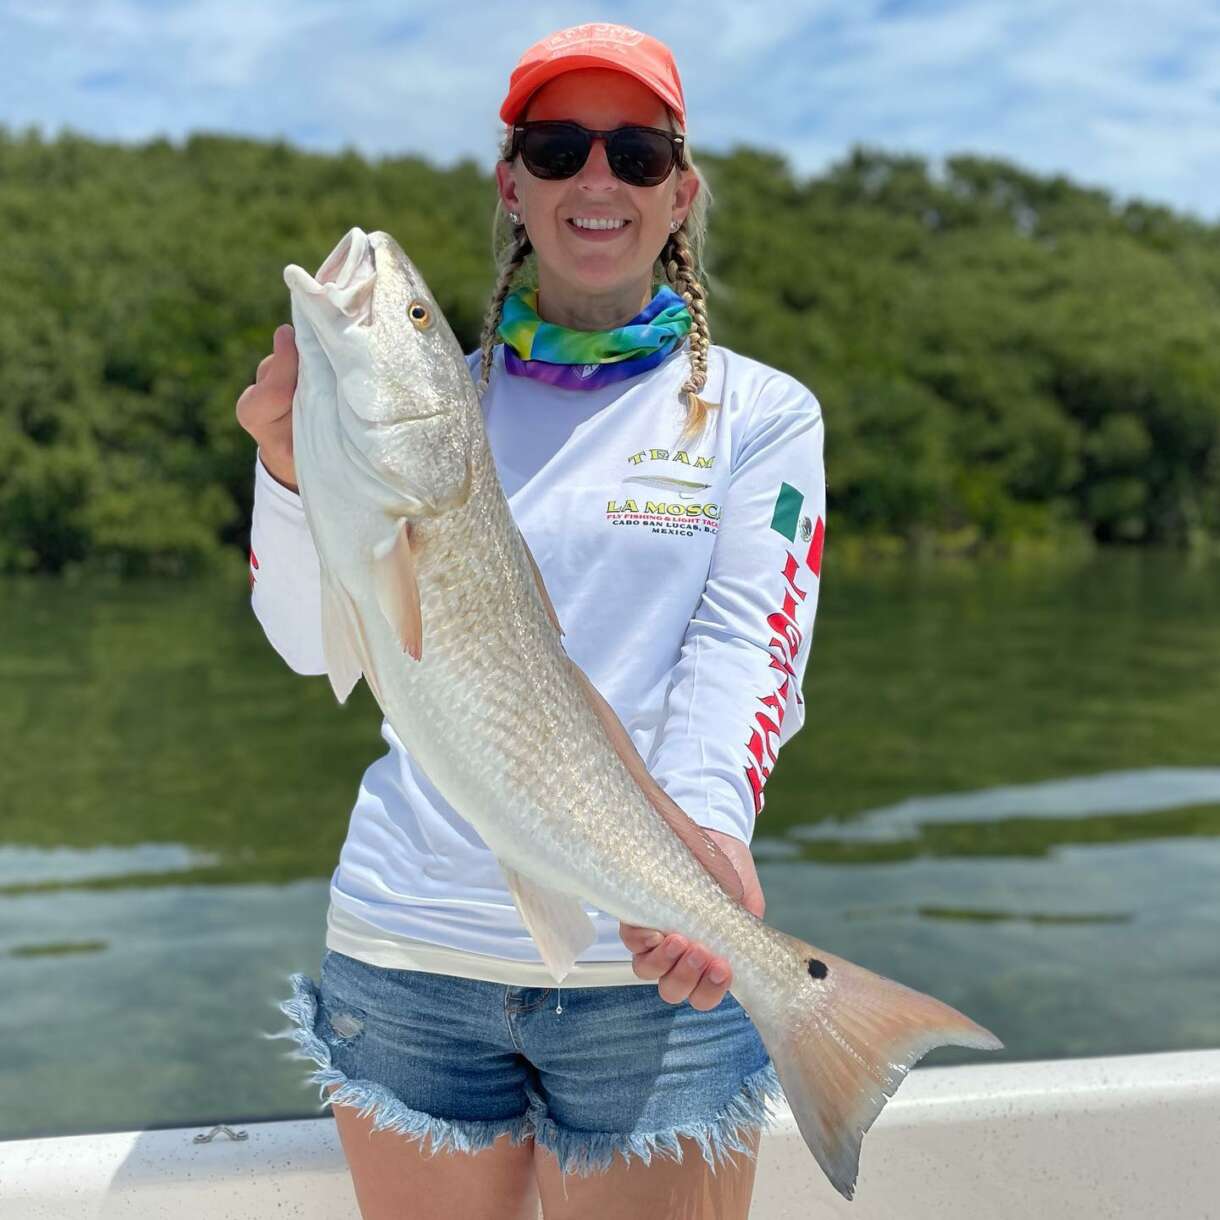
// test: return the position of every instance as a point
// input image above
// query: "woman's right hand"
(265, 408)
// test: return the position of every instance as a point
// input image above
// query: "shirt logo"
(663, 455)
(684, 489)
(680, 509)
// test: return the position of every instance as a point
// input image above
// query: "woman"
(672, 493)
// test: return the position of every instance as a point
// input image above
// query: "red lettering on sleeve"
(756, 779)
(784, 646)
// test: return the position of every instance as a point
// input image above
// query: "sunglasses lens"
(558, 150)
(639, 157)
(554, 150)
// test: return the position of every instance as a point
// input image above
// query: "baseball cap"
(596, 44)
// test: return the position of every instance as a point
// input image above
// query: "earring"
(515, 217)
(674, 225)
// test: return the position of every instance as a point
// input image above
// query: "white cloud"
(1097, 89)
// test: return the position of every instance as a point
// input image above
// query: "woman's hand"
(265, 408)
(685, 969)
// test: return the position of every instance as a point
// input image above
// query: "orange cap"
(596, 44)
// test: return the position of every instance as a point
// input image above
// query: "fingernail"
(653, 939)
(674, 949)
(717, 974)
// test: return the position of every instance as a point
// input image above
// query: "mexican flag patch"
(786, 519)
(787, 511)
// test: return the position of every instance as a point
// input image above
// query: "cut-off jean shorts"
(587, 1072)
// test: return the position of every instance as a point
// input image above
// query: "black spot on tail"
(817, 969)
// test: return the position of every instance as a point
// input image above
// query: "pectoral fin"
(557, 922)
(398, 590)
(701, 844)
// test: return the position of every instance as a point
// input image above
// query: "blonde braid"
(681, 270)
(515, 255)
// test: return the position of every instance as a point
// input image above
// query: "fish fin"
(343, 665)
(847, 1039)
(558, 923)
(351, 625)
(546, 597)
(398, 589)
(700, 843)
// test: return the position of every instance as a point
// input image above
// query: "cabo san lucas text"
(662, 517)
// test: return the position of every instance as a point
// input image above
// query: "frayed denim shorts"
(588, 1072)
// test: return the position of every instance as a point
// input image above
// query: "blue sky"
(1118, 94)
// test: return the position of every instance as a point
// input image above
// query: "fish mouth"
(351, 261)
(346, 279)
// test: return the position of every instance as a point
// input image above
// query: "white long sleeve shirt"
(686, 580)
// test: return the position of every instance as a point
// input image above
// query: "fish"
(429, 592)
(683, 488)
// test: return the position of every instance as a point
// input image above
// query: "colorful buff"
(586, 359)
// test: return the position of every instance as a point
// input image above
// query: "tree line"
(1003, 358)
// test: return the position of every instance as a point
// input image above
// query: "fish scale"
(429, 591)
(556, 804)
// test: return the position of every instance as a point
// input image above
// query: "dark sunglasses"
(558, 148)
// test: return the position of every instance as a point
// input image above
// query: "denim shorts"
(588, 1072)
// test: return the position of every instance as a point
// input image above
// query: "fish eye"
(420, 314)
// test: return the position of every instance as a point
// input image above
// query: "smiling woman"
(641, 1087)
(582, 270)
(598, 233)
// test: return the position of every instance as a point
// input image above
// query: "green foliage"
(1000, 356)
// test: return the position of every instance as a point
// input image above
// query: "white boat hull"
(1133, 1136)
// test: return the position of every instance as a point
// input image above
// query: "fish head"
(394, 355)
(370, 329)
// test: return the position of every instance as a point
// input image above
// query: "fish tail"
(843, 1042)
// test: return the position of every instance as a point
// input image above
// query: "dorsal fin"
(546, 597)
(701, 844)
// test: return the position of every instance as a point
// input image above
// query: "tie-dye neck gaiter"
(586, 359)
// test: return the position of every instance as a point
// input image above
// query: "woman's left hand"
(684, 968)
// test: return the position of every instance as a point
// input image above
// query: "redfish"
(429, 591)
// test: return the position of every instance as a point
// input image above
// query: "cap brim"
(530, 83)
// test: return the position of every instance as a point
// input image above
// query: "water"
(1007, 793)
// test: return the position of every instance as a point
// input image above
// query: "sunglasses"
(558, 148)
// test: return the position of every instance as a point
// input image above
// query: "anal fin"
(557, 922)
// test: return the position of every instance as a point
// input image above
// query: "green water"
(1007, 793)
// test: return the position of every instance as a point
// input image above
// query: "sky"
(1119, 95)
